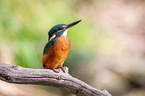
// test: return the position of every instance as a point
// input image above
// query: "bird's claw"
(62, 68)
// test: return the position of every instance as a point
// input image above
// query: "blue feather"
(48, 45)
(51, 42)
(54, 29)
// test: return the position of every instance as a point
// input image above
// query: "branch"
(20, 75)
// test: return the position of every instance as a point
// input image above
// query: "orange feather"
(57, 53)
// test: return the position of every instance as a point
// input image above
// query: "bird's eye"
(60, 28)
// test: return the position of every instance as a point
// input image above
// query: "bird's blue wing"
(48, 45)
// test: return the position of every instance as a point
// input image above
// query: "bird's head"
(60, 29)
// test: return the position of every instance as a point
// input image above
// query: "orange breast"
(57, 53)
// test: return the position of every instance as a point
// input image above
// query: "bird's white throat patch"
(65, 32)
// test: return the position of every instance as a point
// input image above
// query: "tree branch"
(20, 75)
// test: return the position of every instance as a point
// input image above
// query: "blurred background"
(107, 51)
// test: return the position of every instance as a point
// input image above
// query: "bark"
(21, 75)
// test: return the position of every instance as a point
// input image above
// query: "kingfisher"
(58, 47)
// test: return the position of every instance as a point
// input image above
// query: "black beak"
(72, 24)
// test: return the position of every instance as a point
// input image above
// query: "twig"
(20, 75)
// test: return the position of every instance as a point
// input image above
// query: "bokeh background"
(108, 46)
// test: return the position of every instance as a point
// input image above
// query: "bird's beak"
(72, 24)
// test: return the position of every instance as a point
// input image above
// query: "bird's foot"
(62, 68)
(55, 70)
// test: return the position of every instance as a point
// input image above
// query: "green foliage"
(24, 25)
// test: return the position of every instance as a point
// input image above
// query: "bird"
(58, 46)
